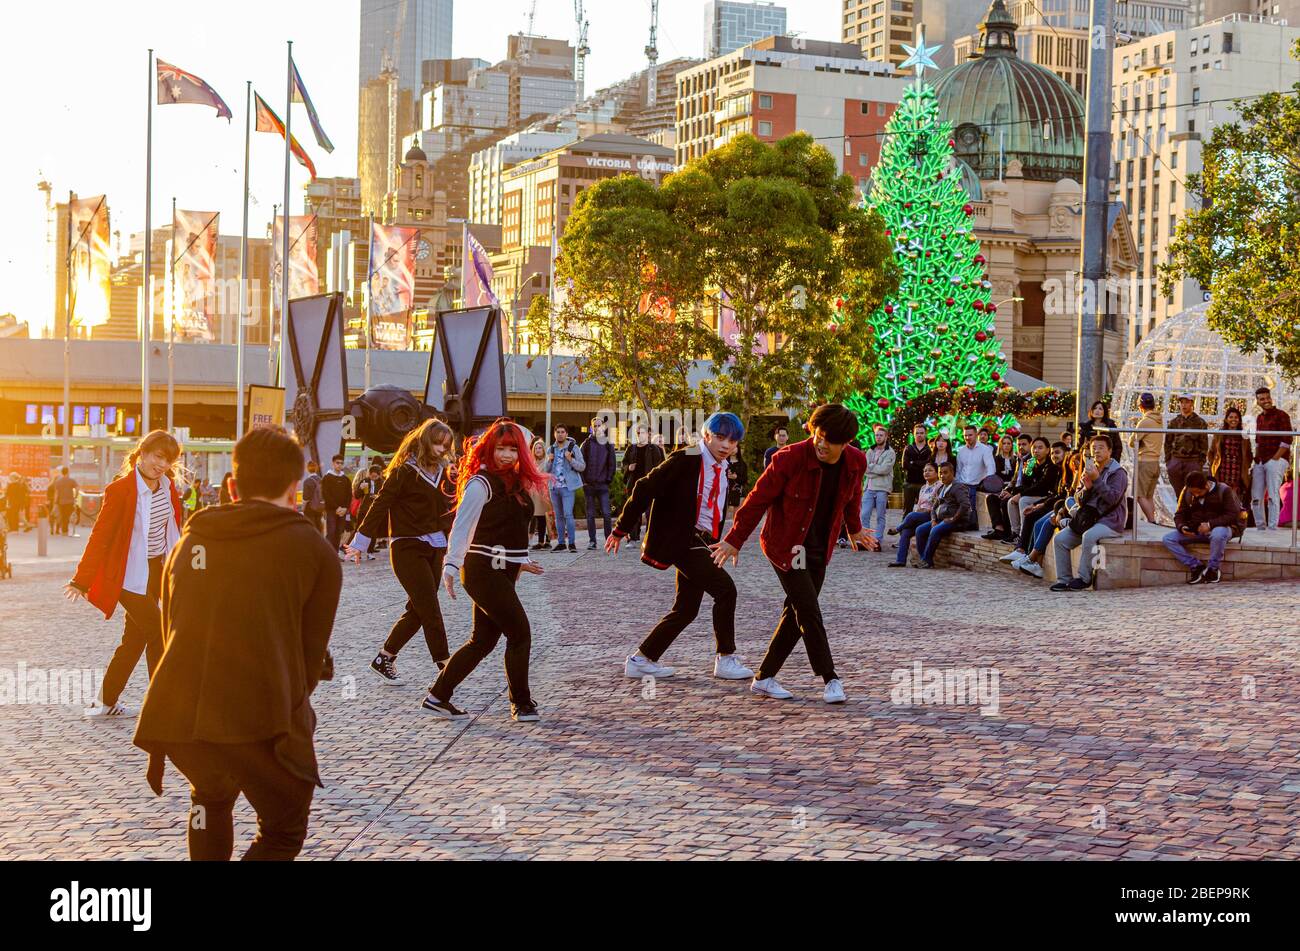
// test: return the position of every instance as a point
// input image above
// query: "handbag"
(1086, 516)
(993, 484)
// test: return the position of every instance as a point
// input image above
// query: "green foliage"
(1244, 245)
(949, 410)
(938, 329)
(774, 233)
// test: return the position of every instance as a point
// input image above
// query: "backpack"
(311, 494)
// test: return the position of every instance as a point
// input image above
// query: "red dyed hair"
(521, 478)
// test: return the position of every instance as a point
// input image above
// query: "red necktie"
(713, 497)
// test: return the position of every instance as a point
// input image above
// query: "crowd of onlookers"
(1054, 496)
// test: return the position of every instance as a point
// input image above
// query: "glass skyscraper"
(729, 25)
(426, 34)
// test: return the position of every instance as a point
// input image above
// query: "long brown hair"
(158, 440)
(420, 446)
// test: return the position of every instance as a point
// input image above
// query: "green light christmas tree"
(938, 331)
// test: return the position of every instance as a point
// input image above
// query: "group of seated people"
(1040, 493)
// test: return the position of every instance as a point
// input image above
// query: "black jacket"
(645, 457)
(336, 490)
(736, 488)
(914, 459)
(248, 602)
(670, 494)
(407, 506)
(1219, 507)
(601, 465)
(1089, 427)
(1042, 482)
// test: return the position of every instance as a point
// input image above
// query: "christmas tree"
(938, 330)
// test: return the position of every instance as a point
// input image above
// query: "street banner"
(476, 290)
(194, 259)
(391, 284)
(304, 272)
(89, 264)
(265, 406)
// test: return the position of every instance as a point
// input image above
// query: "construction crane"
(390, 74)
(46, 189)
(652, 54)
(526, 38)
(580, 70)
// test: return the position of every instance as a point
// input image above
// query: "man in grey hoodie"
(880, 479)
(1105, 488)
(565, 465)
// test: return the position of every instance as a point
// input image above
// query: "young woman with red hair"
(138, 526)
(488, 548)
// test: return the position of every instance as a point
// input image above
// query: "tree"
(1244, 244)
(937, 331)
(772, 234)
(620, 309)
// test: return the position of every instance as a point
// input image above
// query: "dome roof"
(415, 153)
(999, 99)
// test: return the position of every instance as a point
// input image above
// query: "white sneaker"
(1012, 557)
(727, 667)
(638, 667)
(118, 711)
(770, 688)
(834, 692)
(1031, 568)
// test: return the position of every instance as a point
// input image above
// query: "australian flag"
(176, 85)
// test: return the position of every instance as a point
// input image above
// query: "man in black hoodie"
(336, 488)
(248, 602)
(598, 453)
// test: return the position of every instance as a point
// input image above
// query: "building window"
(862, 158)
(765, 101)
(764, 127)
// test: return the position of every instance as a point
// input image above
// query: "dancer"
(807, 492)
(414, 510)
(137, 527)
(686, 496)
(488, 548)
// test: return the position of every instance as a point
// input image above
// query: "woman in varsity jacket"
(138, 526)
(488, 548)
(414, 509)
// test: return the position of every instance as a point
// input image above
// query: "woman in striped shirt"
(137, 527)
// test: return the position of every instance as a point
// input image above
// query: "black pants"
(597, 497)
(334, 525)
(997, 513)
(218, 773)
(801, 618)
(910, 494)
(697, 576)
(497, 611)
(539, 528)
(418, 567)
(141, 634)
(1027, 523)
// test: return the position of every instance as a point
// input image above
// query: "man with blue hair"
(686, 496)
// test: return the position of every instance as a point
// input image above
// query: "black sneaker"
(442, 708)
(386, 668)
(892, 531)
(540, 546)
(991, 535)
(1211, 576)
(573, 548)
(524, 712)
(557, 548)
(1196, 575)
(592, 546)
(896, 564)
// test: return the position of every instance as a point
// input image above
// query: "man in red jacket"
(807, 493)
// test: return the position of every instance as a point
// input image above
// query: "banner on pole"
(304, 273)
(391, 285)
(265, 406)
(194, 259)
(88, 251)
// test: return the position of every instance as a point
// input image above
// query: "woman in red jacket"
(138, 526)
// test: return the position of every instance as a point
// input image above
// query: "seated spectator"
(1209, 512)
(1039, 520)
(974, 465)
(950, 511)
(919, 515)
(1102, 496)
(1038, 478)
(1006, 466)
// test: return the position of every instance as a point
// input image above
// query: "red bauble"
(888, 233)
(980, 259)
(927, 254)
(949, 301)
(981, 336)
(902, 378)
(992, 308)
(889, 309)
(907, 205)
(952, 143)
(978, 305)
(929, 280)
(839, 303)
(943, 386)
(882, 403)
(968, 208)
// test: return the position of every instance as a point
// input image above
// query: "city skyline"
(86, 129)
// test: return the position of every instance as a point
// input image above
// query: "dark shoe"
(924, 564)
(386, 668)
(991, 535)
(1060, 586)
(1078, 584)
(540, 546)
(1211, 576)
(896, 564)
(442, 708)
(1196, 575)
(892, 531)
(524, 712)
(592, 546)
(573, 548)
(557, 548)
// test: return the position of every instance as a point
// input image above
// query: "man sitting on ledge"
(1210, 512)
(1105, 486)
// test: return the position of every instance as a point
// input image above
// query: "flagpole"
(171, 327)
(370, 273)
(243, 270)
(67, 343)
(146, 278)
(270, 315)
(284, 260)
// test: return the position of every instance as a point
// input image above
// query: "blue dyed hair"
(725, 426)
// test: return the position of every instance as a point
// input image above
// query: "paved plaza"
(1152, 723)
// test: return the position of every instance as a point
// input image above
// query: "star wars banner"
(88, 250)
(193, 283)
(391, 285)
(304, 274)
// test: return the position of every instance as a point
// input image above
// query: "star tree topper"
(920, 56)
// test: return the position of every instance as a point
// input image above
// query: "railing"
(1293, 435)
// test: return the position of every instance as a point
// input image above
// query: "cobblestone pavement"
(1154, 723)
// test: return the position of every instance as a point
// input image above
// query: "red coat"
(787, 493)
(103, 564)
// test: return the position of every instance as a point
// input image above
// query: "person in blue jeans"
(951, 510)
(919, 515)
(565, 465)
(879, 480)
(1208, 511)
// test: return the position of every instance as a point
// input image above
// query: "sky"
(74, 110)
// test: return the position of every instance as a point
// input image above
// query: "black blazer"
(669, 493)
(407, 506)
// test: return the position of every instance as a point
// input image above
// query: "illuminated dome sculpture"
(1183, 356)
